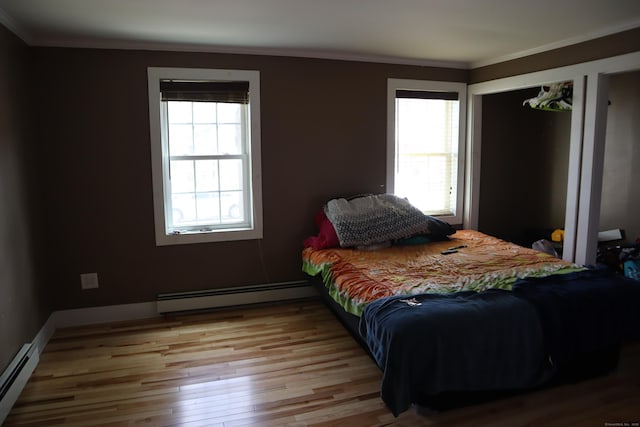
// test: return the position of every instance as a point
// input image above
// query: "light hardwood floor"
(291, 364)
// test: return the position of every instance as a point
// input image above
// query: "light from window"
(424, 145)
(206, 167)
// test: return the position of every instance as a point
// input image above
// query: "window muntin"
(425, 145)
(207, 144)
(208, 163)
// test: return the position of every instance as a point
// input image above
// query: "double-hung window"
(205, 146)
(425, 145)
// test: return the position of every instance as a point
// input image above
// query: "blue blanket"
(496, 340)
(432, 343)
(583, 312)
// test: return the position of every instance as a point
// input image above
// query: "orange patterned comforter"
(355, 278)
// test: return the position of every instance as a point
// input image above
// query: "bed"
(456, 315)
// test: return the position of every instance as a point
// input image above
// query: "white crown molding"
(42, 41)
(559, 44)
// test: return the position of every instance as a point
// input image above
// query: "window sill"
(185, 238)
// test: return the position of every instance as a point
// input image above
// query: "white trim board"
(67, 318)
(587, 140)
(144, 310)
(103, 314)
(17, 375)
(234, 297)
(393, 85)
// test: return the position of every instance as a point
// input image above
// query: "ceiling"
(457, 33)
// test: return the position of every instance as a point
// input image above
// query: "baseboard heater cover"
(229, 297)
(15, 377)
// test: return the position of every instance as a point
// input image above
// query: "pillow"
(380, 218)
(439, 229)
(326, 237)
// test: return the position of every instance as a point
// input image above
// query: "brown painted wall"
(323, 135)
(523, 177)
(23, 308)
(604, 47)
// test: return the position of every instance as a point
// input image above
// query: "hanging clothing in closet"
(554, 97)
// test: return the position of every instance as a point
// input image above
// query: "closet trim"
(587, 126)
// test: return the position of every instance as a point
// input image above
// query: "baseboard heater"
(237, 296)
(15, 377)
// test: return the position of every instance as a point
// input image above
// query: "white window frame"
(394, 85)
(160, 157)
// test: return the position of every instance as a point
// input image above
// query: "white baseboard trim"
(16, 376)
(234, 297)
(63, 319)
(104, 314)
(144, 310)
(46, 332)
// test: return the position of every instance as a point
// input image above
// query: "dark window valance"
(425, 94)
(233, 92)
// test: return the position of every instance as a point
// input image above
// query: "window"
(205, 148)
(425, 145)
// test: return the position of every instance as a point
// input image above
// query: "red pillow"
(326, 238)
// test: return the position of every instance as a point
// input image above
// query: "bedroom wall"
(523, 177)
(323, 135)
(23, 308)
(604, 47)
(620, 206)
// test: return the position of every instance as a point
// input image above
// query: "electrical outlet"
(89, 280)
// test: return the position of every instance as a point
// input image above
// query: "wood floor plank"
(286, 365)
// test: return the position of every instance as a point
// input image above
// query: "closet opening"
(600, 191)
(526, 136)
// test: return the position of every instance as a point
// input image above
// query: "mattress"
(468, 261)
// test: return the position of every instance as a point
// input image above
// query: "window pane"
(180, 139)
(426, 153)
(412, 128)
(180, 112)
(229, 128)
(208, 205)
(417, 173)
(426, 125)
(232, 206)
(230, 174)
(204, 112)
(203, 161)
(182, 177)
(228, 112)
(206, 175)
(229, 139)
(204, 139)
(183, 208)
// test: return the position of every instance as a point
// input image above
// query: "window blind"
(236, 92)
(426, 149)
(423, 94)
